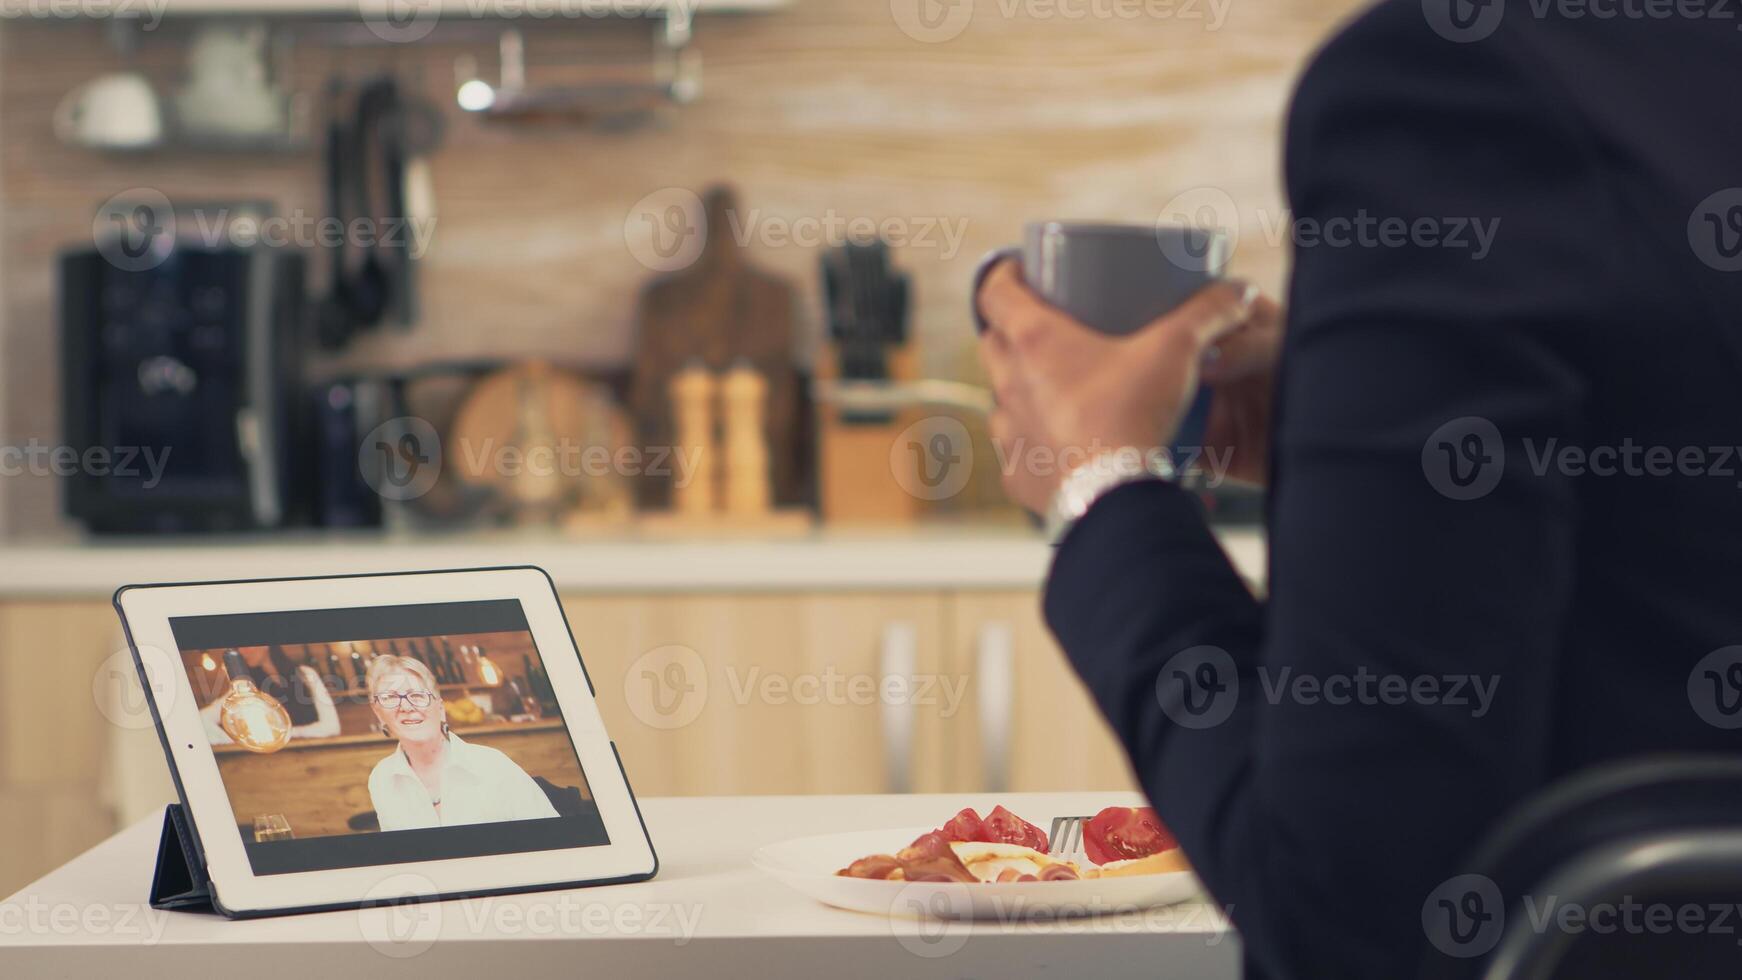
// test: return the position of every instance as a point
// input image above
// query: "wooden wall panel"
(827, 111)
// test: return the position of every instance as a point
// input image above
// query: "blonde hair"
(387, 664)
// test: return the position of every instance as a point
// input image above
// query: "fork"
(1066, 836)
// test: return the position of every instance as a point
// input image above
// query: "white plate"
(808, 864)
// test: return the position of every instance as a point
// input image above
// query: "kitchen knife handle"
(995, 685)
(899, 659)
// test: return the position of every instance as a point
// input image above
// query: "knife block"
(856, 481)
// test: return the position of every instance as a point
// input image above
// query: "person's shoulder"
(1405, 46)
(1432, 70)
(386, 768)
(483, 756)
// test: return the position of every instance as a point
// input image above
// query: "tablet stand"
(180, 883)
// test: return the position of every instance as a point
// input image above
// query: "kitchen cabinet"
(705, 693)
(847, 693)
(782, 693)
(1028, 723)
(835, 664)
(530, 9)
(61, 701)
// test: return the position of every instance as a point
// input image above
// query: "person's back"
(1617, 257)
(1506, 508)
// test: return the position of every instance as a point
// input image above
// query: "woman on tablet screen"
(433, 779)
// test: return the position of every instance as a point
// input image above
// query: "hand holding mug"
(1068, 390)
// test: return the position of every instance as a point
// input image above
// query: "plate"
(808, 865)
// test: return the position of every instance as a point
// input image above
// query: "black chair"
(1628, 871)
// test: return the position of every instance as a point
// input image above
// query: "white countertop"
(909, 558)
(708, 913)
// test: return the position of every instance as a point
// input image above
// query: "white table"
(709, 913)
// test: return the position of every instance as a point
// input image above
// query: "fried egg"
(987, 861)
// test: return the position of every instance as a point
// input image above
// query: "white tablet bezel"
(146, 612)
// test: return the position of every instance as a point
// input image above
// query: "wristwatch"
(1094, 479)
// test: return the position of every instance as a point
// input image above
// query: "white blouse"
(479, 785)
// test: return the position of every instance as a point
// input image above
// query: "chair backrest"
(1627, 871)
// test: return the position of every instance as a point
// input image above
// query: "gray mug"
(1116, 279)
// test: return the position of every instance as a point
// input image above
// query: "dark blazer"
(1505, 493)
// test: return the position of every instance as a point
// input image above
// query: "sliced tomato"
(1003, 827)
(1119, 833)
(964, 826)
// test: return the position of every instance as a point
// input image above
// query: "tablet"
(429, 733)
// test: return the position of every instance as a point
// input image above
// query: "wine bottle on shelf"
(446, 656)
(431, 659)
(444, 664)
(412, 651)
(360, 670)
(524, 705)
(335, 680)
(535, 682)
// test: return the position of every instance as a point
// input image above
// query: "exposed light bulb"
(476, 95)
(488, 671)
(250, 716)
(207, 662)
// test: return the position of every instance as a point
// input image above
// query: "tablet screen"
(386, 734)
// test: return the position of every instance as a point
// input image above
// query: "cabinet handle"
(900, 658)
(995, 687)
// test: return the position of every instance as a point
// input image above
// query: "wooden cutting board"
(532, 408)
(719, 311)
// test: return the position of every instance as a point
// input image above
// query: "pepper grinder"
(745, 394)
(693, 391)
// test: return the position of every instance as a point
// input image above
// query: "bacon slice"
(928, 858)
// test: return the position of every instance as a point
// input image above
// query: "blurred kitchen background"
(614, 240)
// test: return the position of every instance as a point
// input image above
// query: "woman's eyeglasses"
(394, 700)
